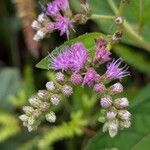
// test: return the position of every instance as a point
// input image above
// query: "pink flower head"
(63, 4)
(52, 9)
(63, 24)
(114, 72)
(61, 62)
(78, 57)
(90, 77)
(102, 55)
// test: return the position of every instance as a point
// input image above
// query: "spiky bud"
(51, 117)
(34, 101)
(44, 106)
(55, 99)
(121, 102)
(99, 88)
(60, 77)
(76, 79)
(111, 114)
(50, 86)
(28, 109)
(43, 94)
(106, 101)
(113, 128)
(23, 118)
(67, 90)
(116, 88)
(31, 120)
(124, 114)
(125, 124)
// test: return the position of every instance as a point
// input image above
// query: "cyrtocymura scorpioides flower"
(73, 67)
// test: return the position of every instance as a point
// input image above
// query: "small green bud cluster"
(114, 114)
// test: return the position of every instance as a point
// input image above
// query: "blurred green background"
(19, 79)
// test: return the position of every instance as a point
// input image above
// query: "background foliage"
(19, 79)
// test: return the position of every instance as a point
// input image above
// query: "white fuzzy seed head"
(50, 86)
(51, 117)
(106, 101)
(40, 34)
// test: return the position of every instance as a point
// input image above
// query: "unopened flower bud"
(36, 113)
(102, 119)
(113, 128)
(99, 88)
(67, 90)
(50, 86)
(116, 88)
(106, 101)
(105, 127)
(125, 124)
(34, 101)
(121, 102)
(23, 118)
(39, 35)
(31, 120)
(43, 94)
(60, 77)
(51, 117)
(35, 25)
(28, 109)
(30, 128)
(44, 106)
(111, 114)
(76, 79)
(124, 114)
(55, 99)
(119, 20)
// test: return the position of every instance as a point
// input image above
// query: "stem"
(94, 16)
(121, 8)
(129, 30)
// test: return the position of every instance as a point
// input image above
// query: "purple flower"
(63, 24)
(90, 77)
(102, 55)
(62, 61)
(52, 9)
(78, 57)
(114, 72)
(62, 4)
(72, 58)
(76, 79)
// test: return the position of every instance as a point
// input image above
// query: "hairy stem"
(94, 16)
(128, 28)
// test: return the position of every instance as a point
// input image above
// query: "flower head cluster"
(55, 17)
(73, 58)
(115, 115)
(73, 67)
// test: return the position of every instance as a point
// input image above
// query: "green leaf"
(133, 57)
(86, 39)
(136, 136)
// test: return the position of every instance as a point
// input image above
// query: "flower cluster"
(114, 113)
(74, 67)
(56, 16)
